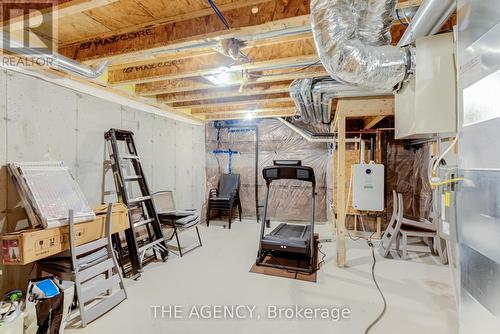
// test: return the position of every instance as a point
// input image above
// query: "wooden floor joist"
(258, 113)
(238, 109)
(164, 12)
(199, 83)
(234, 101)
(286, 54)
(271, 16)
(226, 92)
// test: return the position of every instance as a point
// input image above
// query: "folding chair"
(419, 228)
(94, 269)
(392, 231)
(179, 220)
(226, 197)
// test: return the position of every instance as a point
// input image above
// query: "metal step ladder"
(145, 232)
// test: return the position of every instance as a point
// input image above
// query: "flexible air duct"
(55, 61)
(355, 56)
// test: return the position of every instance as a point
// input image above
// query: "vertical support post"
(341, 191)
(379, 160)
(379, 228)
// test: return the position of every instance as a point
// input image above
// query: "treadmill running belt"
(294, 237)
(289, 231)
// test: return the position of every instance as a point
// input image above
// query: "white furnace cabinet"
(426, 105)
(368, 187)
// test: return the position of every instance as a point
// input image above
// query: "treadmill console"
(290, 172)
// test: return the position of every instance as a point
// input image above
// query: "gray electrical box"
(368, 187)
(447, 228)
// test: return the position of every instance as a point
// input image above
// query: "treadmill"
(292, 241)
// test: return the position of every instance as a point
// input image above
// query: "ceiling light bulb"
(250, 115)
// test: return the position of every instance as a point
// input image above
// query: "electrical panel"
(368, 187)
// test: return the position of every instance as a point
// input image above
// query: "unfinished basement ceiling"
(164, 52)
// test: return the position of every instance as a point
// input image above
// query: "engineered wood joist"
(238, 109)
(272, 15)
(164, 12)
(199, 83)
(233, 101)
(226, 92)
(287, 54)
(204, 50)
(259, 113)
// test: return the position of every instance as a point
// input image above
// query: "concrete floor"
(419, 291)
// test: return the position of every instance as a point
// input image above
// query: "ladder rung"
(129, 156)
(132, 177)
(140, 199)
(109, 192)
(151, 244)
(143, 222)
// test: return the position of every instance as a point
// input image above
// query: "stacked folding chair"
(226, 197)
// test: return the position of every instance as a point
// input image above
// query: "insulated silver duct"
(313, 97)
(374, 21)
(355, 56)
(430, 17)
(327, 91)
(55, 61)
(297, 99)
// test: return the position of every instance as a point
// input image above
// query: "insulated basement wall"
(288, 199)
(43, 121)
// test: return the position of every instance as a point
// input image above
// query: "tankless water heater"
(368, 187)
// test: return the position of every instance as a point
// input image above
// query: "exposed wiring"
(436, 163)
(399, 19)
(434, 180)
(442, 183)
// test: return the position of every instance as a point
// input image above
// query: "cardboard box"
(23, 247)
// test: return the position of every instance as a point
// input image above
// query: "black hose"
(370, 244)
(379, 290)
